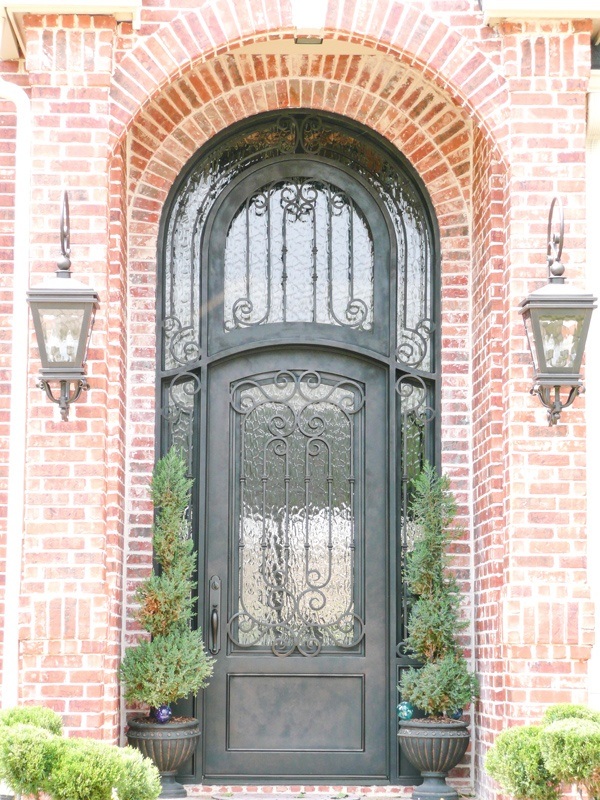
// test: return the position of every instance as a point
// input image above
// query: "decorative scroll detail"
(413, 344)
(322, 136)
(299, 251)
(183, 349)
(286, 134)
(297, 435)
(178, 411)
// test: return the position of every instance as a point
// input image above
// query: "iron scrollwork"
(297, 528)
(291, 244)
(178, 411)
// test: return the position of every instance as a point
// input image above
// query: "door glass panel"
(299, 251)
(297, 482)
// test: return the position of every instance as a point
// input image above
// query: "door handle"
(214, 599)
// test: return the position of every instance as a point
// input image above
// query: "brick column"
(546, 617)
(592, 362)
(72, 556)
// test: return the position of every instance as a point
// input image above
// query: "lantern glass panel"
(561, 337)
(61, 328)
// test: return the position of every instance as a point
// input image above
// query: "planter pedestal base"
(434, 787)
(434, 749)
(168, 745)
(171, 787)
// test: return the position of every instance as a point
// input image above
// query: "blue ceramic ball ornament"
(405, 710)
(457, 713)
(162, 714)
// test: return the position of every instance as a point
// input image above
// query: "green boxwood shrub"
(571, 750)
(27, 757)
(89, 770)
(569, 711)
(139, 779)
(517, 763)
(39, 716)
(34, 759)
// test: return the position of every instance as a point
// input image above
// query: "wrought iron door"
(296, 563)
(297, 372)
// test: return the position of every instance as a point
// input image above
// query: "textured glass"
(179, 412)
(299, 251)
(416, 431)
(181, 275)
(296, 480)
(416, 421)
(561, 339)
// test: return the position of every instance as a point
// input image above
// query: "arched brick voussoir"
(433, 134)
(213, 28)
(452, 61)
(445, 57)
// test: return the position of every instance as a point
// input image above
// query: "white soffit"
(121, 10)
(497, 10)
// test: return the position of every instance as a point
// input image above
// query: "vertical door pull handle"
(214, 628)
(214, 599)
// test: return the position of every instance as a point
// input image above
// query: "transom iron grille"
(299, 251)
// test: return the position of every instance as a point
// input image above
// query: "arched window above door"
(341, 271)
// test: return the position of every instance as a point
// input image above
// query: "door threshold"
(297, 791)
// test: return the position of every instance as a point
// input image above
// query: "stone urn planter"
(169, 745)
(434, 747)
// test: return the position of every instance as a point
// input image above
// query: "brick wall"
(70, 615)
(493, 120)
(546, 619)
(7, 190)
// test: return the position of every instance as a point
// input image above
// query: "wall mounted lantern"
(557, 319)
(63, 312)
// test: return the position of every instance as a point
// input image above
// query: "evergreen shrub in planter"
(442, 685)
(173, 663)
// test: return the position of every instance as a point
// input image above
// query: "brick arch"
(448, 59)
(399, 104)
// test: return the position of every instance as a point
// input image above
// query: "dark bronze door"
(296, 523)
(297, 541)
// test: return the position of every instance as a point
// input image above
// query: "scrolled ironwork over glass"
(298, 436)
(299, 251)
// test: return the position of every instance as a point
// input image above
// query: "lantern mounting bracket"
(70, 391)
(550, 398)
(556, 240)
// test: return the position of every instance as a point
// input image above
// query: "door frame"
(165, 378)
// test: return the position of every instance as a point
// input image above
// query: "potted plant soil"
(173, 663)
(442, 685)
